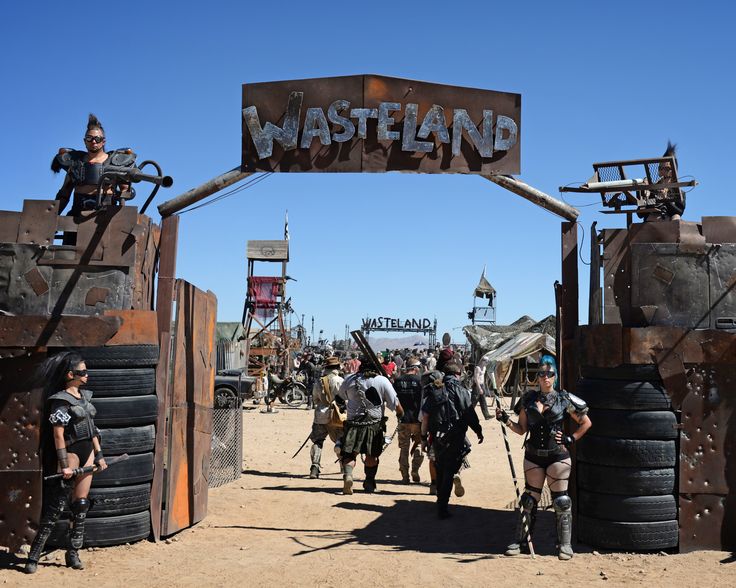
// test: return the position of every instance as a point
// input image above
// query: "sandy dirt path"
(277, 527)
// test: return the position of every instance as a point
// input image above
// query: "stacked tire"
(123, 381)
(626, 464)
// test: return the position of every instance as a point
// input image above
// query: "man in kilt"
(366, 394)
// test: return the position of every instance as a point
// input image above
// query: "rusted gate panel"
(164, 311)
(20, 464)
(110, 267)
(191, 394)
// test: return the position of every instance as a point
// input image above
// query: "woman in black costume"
(542, 414)
(77, 444)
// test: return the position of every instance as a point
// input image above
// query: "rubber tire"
(631, 509)
(618, 535)
(225, 398)
(634, 424)
(134, 470)
(128, 440)
(625, 481)
(116, 501)
(105, 531)
(122, 500)
(631, 453)
(120, 356)
(623, 394)
(122, 382)
(646, 372)
(295, 396)
(126, 410)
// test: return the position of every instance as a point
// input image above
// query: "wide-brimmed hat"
(331, 362)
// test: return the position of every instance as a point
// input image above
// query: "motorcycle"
(289, 391)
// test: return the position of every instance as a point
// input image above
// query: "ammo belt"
(362, 423)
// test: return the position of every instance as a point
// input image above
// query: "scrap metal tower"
(266, 336)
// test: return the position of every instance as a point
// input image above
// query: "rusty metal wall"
(111, 266)
(20, 465)
(190, 404)
(49, 287)
(670, 301)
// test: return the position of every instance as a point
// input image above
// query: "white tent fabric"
(496, 364)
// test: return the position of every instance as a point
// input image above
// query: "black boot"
(524, 524)
(79, 509)
(369, 485)
(57, 495)
(72, 559)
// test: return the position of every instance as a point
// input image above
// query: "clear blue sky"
(599, 81)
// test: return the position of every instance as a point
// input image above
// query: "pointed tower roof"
(484, 288)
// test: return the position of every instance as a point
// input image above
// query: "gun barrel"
(133, 174)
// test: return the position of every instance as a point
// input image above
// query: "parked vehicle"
(232, 388)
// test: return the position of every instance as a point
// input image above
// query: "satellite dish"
(446, 339)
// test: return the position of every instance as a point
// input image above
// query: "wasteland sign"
(387, 323)
(373, 123)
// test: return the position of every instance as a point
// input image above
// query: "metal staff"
(87, 469)
(513, 476)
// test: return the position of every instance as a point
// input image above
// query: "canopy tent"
(497, 364)
(485, 338)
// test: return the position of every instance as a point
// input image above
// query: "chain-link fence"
(226, 460)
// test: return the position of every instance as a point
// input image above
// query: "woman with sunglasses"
(84, 169)
(546, 457)
(77, 443)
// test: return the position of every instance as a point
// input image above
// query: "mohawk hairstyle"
(94, 123)
(671, 150)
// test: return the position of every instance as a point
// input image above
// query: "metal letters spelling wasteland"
(385, 322)
(377, 124)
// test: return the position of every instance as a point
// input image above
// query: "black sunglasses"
(93, 139)
(547, 374)
(80, 373)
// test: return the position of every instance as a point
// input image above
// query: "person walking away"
(366, 394)
(326, 420)
(409, 392)
(448, 412)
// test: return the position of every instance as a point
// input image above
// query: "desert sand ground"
(276, 527)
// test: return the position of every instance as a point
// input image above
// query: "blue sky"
(598, 83)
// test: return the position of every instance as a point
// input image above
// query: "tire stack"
(123, 381)
(626, 464)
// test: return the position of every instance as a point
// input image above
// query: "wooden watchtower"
(266, 335)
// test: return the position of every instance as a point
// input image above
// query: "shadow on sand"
(412, 525)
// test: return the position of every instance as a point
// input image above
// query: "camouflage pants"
(410, 433)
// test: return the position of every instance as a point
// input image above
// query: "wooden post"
(164, 309)
(569, 305)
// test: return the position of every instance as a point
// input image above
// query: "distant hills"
(408, 342)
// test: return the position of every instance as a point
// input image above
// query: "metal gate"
(190, 394)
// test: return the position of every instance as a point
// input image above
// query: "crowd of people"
(435, 406)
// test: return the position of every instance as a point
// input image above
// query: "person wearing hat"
(327, 419)
(408, 388)
(367, 394)
(448, 411)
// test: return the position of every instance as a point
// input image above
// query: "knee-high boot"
(524, 524)
(562, 504)
(58, 495)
